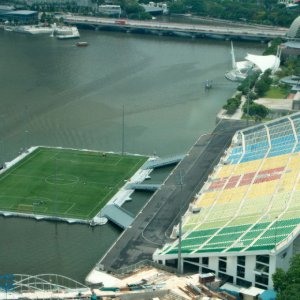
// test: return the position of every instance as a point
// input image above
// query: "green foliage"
(278, 92)
(287, 284)
(263, 84)
(272, 49)
(133, 10)
(267, 12)
(232, 105)
(248, 83)
(257, 111)
(289, 66)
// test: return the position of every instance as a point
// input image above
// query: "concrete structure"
(248, 219)
(110, 10)
(153, 224)
(289, 3)
(294, 30)
(162, 162)
(277, 107)
(19, 16)
(118, 215)
(252, 33)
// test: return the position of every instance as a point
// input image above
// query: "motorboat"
(82, 44)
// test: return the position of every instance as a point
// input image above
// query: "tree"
(279, 280)
(257, 111)
(287, 284)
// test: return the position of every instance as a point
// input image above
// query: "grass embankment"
(276, 93)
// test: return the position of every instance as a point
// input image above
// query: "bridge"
(228, 32)
(143, 187)
(162, 162)
(117, 215)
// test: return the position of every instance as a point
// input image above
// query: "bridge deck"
(257, 32)
(161, 162)
(143, 187)
(117, 215)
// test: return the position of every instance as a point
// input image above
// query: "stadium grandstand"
(245, 220)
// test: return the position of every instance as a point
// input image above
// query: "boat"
(66, 32)
(14, 28)
(208, 84)
(82, 44)
(37, 29)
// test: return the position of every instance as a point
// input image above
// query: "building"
(110, 10)
(19, 16)
(294, 30)
(289, 3)
(245, 221)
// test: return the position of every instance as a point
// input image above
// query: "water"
(54, 93)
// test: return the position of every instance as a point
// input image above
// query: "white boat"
(66, 32)
(36, 29)
(14, 28)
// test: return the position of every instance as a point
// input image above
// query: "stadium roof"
(292, 44)
(251, 202)
(264, 62)
(22, 12)
(294, 30)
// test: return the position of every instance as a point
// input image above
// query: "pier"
(143, 187)
(227, 32)
(162, 162)
(117, 215)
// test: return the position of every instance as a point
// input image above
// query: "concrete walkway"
(236, 116)
(153, 225)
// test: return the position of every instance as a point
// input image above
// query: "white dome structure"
(294, 30)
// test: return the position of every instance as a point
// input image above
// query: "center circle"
(62, 179)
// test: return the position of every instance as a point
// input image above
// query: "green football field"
(65, 183)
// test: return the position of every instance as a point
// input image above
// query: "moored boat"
(65, 32)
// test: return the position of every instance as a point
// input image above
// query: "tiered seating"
(296, 121)
(252, 202)
(282, 137)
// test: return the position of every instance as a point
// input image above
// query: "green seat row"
(279, 231)
(200, 233)
(232, 229)
(224, 238)
(289, 222)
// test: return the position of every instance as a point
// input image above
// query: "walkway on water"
(153, 225)
(162, 162)
(227, 31)
(117, 215)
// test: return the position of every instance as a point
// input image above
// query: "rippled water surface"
(54, 93)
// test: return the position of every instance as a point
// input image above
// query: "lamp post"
(179, 267)
(123, 130)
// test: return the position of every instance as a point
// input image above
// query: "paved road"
(153, 225)
(226, 29)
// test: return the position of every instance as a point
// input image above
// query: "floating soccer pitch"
(64, 183)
